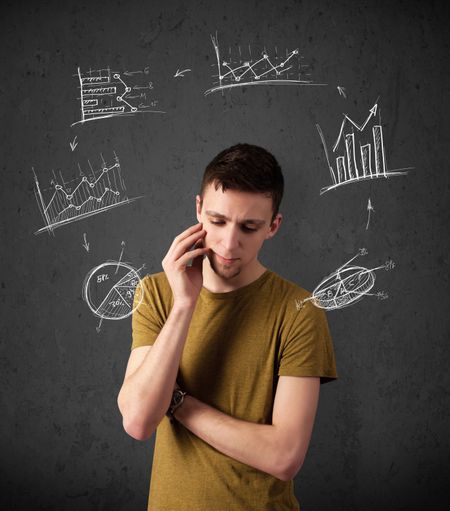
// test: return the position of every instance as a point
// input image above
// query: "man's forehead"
(248, 220)
(237, 204)
(238, 197)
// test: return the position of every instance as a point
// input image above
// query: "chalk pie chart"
(344, 287)
(110, 288)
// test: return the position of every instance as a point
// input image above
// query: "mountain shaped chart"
(101, 191)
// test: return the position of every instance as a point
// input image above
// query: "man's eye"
(217, 223)
(248, 229)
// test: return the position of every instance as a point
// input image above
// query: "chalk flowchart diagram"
(355, 163)
(346, 285)
(105, 93)
(89, 194)
(244, 66)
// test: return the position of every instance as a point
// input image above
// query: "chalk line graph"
(249, 67)
(105, 94)
(353, 166)
(346, 286)
(97, 192)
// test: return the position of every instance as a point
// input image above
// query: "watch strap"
(176, 401)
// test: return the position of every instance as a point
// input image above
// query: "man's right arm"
(150, 376)
(146, 392)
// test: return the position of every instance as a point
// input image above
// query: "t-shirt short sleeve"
(148, 316)
(307, 349)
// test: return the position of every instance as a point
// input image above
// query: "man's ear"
(198, 207)
(274, 226)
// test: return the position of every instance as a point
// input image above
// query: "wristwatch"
(177, 399)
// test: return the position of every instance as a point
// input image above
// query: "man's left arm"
(278, 448)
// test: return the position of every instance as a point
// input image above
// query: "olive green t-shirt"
(237, 345)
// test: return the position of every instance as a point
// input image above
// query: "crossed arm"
(277, 449)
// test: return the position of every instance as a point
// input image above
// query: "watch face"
(177, 397)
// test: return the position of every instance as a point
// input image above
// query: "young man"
(222, 362)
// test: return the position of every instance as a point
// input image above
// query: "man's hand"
(186, 281)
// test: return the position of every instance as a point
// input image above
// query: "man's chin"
(222, 270)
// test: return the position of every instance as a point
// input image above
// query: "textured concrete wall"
(381, 436)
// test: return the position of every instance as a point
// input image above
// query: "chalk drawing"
(346, 286)
(242, 67)
(73, 144)
(342, 91)
(369, 210)
(105, 93)
(180, 74)
(87, 195)
(112, 290)
(85, 244)
(367, 163)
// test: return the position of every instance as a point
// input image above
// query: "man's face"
(237, 224)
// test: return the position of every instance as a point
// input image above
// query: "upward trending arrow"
(373, 112)
(369, 209)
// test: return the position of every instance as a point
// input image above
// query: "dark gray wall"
(381, 437)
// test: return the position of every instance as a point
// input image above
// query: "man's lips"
(224, 260)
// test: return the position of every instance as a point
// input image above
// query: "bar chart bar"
(380, 160)
(366, 151)
(107, 110)
(341, 170)
(351, 160)
(99, 91)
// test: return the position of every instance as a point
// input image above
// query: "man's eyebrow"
(255, 221)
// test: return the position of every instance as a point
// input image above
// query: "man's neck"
(217, 284)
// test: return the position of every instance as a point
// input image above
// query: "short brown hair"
(247, 168)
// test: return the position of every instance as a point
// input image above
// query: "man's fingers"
(182, 236)
(198, 261)
(192, 254)
(186, 244)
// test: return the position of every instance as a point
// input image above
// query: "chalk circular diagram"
(112, 290)
(344, 287)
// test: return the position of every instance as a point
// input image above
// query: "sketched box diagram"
(105, 93)
(87, 195)
(355, 161)
(244, 66)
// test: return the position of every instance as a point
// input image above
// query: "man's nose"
(230, 239)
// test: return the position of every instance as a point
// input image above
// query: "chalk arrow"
(85, 244)
(373, 112)
(341, 91)
(120, 258)
(180, 73)
(74, 143)
(369, 209)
